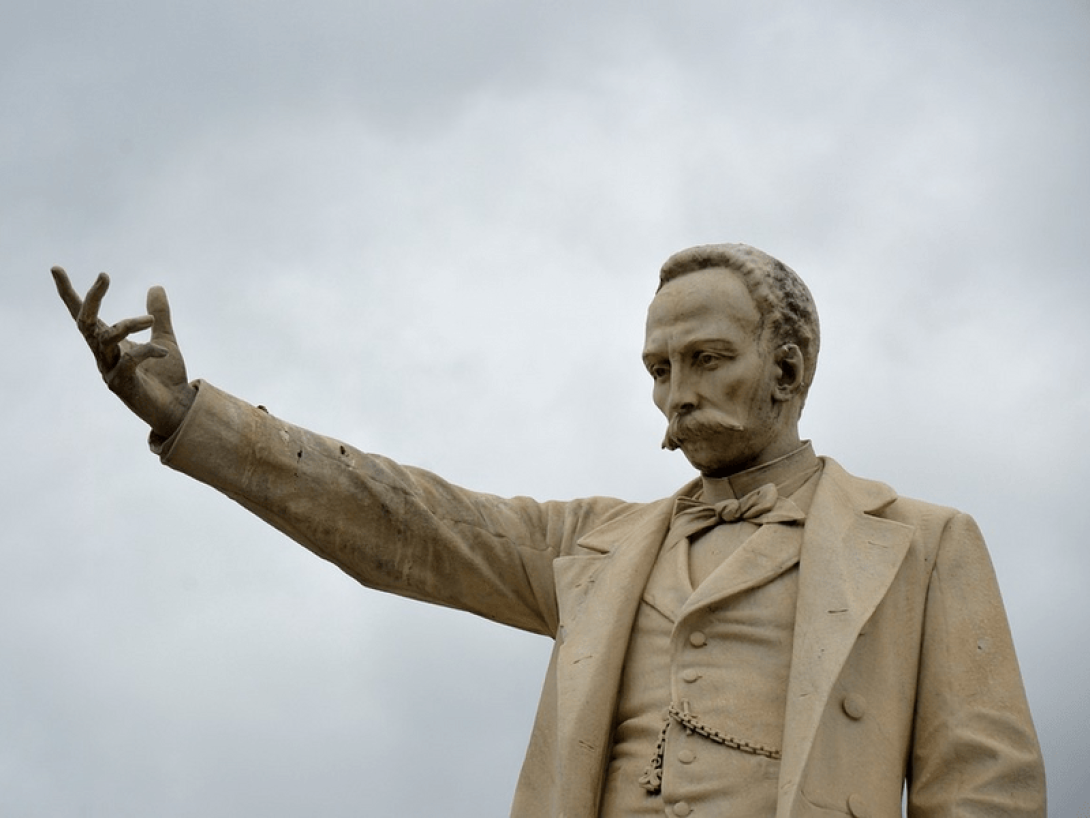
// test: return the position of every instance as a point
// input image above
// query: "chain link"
(651, 780)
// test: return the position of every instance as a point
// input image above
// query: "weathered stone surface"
(778, 638)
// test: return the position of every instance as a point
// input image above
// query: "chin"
(712, 464)
(720, 470)
(718, 460)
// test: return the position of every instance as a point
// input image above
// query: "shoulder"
(880, 500)
(940, 536)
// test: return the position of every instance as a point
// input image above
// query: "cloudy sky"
(431, 229)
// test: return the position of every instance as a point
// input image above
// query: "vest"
(720, 655)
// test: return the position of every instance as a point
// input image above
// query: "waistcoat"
(720, 655)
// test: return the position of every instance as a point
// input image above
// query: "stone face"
(789, 643)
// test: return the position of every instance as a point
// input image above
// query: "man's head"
(788, 312)
(732, 343)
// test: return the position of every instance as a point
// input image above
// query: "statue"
(779, 638)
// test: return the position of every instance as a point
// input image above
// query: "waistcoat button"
(854, 705)
(857, 806)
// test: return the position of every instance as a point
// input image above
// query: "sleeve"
(975, 751)
(391, 527)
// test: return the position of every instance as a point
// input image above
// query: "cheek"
(761, 397)
(742, 390)
(659, 394)
(729, 387)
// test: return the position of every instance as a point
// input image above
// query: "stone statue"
(779, 638)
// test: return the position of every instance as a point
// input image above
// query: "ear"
(792, 367)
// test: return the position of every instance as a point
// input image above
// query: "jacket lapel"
(598, 594)
(848, 561)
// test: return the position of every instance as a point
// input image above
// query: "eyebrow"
(712, 342)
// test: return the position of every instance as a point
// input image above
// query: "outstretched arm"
(149, 378)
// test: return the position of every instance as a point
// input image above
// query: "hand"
(149, 378)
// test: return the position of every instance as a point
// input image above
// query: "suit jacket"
(902, 668)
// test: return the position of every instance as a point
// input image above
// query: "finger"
(127, 362)
(67, 292)
(142, 352)
(88, 314)
(125, 328)
(159, 309)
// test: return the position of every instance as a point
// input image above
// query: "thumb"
(159, 309)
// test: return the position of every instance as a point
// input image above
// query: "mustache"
(703, 425)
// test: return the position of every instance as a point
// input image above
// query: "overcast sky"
(432, 229)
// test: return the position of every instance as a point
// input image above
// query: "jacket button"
(697, 639)
(686, 756)
(690, 674)
(857, 806)
(854, 706)
(682, 808)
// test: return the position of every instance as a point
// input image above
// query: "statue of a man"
(779, 638)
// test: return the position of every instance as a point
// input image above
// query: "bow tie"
(762, 506)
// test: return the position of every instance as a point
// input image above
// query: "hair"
(787, 309)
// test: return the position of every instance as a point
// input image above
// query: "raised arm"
(149, 378)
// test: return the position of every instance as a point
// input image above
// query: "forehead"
(705, 304)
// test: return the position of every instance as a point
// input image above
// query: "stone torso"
(712, 642)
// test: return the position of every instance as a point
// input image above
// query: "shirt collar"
(788, 473)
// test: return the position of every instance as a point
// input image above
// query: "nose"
(682, 398)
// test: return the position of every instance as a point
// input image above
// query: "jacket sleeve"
(391, 527)
(975, 751)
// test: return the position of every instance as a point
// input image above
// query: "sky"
(431, 229)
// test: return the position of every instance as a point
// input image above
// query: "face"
(726, 393)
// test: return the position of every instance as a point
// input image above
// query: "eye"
(659, 371)
(706, 360)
